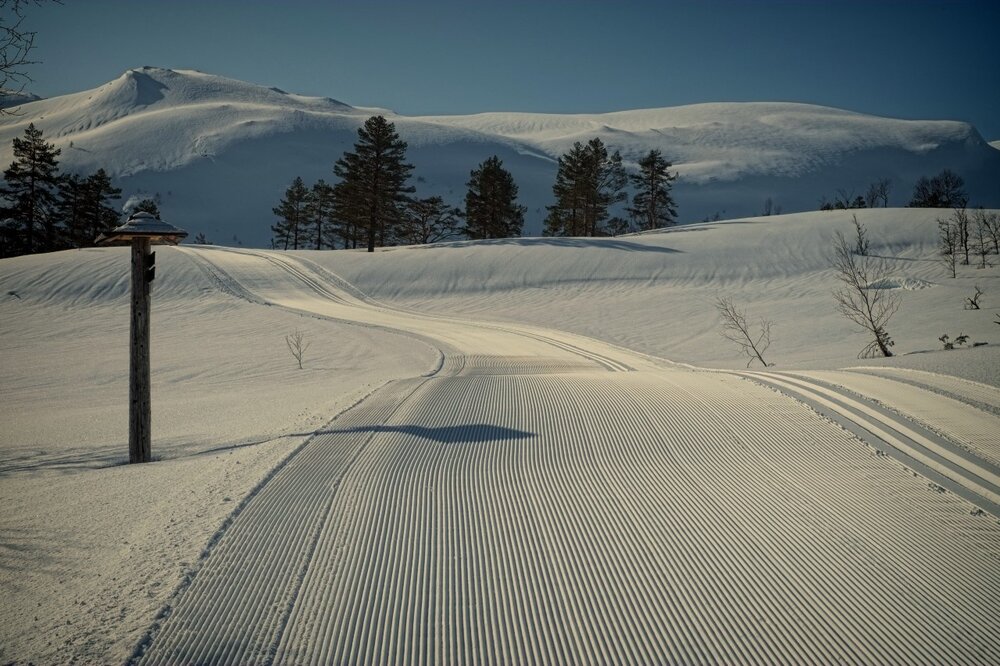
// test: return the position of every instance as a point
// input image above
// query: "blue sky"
(912, 59)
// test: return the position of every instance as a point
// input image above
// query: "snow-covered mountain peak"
(207, 143)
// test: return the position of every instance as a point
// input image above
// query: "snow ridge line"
(936, 457)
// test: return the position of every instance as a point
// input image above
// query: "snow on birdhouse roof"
(143, 225)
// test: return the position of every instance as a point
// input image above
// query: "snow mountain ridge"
(219, 152)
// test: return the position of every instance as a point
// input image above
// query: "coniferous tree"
(319, 212)
(148, 206)
(98, 215)
(588, 182)
(291, 225)
(565, 217)
(71, 209)
(345, 216)
(652, 205)
(491, 208)
(374, 197)
(430, 220)
(30, 190)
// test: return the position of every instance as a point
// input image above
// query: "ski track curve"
(532, 503)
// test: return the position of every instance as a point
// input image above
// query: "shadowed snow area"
(525, 451)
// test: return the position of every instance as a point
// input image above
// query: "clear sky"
(906, 59)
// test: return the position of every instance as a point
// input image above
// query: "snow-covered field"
(503, 452)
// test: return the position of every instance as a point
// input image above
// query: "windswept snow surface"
(539, 485)
(220, 153)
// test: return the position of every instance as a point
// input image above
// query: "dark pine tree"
(148, 206)
(291, 212)
(430, 220)
(491, 208)
(346, 216)
(565, 217)
(71, 209)
(588, 182)
(30, 188)
(375, 196)
(98, 215)
(319, 212)
(652, 205)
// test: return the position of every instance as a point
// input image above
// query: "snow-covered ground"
(522, 468)
(206, 144)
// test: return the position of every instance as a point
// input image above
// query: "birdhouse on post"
(141, 231)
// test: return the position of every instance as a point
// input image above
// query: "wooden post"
(138, 387)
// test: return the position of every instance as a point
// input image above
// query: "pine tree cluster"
(372, 204)
(43, 210)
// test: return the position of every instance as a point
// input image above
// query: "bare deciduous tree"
(980, 237)
(960, 220)
(972, 302)
(878, 192)
(737, 329)
(865, 300)
(861, 238)
(990, 222)
(297, 345)
(948, 246)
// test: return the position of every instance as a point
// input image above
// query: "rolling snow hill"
(504, 435)
(220, 152)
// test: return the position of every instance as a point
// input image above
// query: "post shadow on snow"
(69, 461)
(461, 434)
(553, 241)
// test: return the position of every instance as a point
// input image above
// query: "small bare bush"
(950, 344)
(972, 302)
(297, 345)
(752, 340)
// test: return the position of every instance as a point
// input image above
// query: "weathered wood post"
(141, 231)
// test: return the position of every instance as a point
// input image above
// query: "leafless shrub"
(737, 329)
(960, 220)
(980, 236)
(861, 238)
(950, 344)
(990, 223)
(972, 302)
(297, 345)
(948, 246)
(870, 308)
(878, 192)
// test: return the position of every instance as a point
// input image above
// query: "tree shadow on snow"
(460, 434)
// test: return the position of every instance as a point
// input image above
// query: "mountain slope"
(220, 152)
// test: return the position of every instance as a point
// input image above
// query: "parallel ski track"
(952, 462)
(317, 284)
(975, 393)
(975, 430)
(488, 515)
